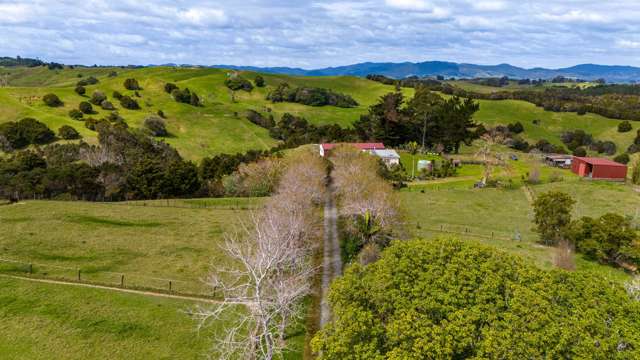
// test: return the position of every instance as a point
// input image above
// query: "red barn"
(598, 168)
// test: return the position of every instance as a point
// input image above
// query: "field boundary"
(112, 288)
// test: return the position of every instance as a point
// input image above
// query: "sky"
(315, 34)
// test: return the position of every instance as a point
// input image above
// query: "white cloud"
(575, 16)
(17, 13)
(408, 4)
(490, 5)
(628, 44)
(202, 16)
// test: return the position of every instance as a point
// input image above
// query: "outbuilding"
(599, 168)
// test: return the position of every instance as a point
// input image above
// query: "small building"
(368, 147)
(389, 157)
(559, 160)
(599, 168)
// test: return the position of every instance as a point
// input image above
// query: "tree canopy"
(448, 299)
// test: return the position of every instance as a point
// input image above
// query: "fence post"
(169, 285)
(122, 280)
(30, 269)
(78, 274)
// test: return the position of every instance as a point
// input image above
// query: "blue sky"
(312, 34)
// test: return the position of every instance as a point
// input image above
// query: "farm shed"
(368, 147)
(389, 157)
(599, 168)
(559, 160)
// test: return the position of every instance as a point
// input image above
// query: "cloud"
(554, 33)
(202, 16)
(408, 4)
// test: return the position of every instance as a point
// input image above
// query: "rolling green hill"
(220, 125)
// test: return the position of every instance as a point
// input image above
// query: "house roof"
(600, 161)
(361, 146)
(384, 153)
(558, 157)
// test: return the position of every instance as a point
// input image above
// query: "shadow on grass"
(93, 220)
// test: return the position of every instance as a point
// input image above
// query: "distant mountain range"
(611, 73)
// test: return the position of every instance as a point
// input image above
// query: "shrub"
(52, 100)
(310, 96)
(87, 81)
(98, 97)
(169, 87)
(161, 114)
(238, 83)
(76, 114)
(116, 119)
(516, 127)
(85, 107)
(580, 151)
(622, 158)
(95, 125)
(25, 132)
(608, 147)
(260, 120)
(129, 103)
(555, 177)
(113, 74)
(624, 126)
(107, 105)
(552, 216)
(156, 126)
(68, 133)
(131, 84)
(116, 95)
(80, 90)
(186, 96)
(259, 81)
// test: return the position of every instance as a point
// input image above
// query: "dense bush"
(112, 74)
(76, 114)
(260, 120)
(161, 114)
(575, 139)
(87, 81)
(516, 127)
(156, 126)
(95, 124)
(52, 100)
(310, 96)
(107, 105)
(610, 239)
(448, 299)
(186, 96)
(608, 147)
(116, 95)
(131, 84)
(580, 151)
(622, 158)
(238, 83)
(68, 133)
(80, 90)
(25, 132)
(169, 87)
(85, 107)
(129, 103)
(625, 126)
(98, 97)
(259, 81)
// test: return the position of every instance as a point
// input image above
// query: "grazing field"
(49, 321)
(217, 127)
(495, 216)
(150, 242)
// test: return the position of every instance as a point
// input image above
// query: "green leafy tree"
(552, 216)
(68, 133)
(85, 107)
(625, 126)
(622, 158)
(449, 299)
(610, 239)
(132, 84)
(80, 90)
(76, 114)
(156, 126)
(98, 97)
(128, 103)
(169, 87)
(52, 100)
(259, 81)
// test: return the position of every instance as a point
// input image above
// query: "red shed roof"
(361, 146)
(599, 161)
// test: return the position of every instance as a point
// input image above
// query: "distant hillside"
(610, 73)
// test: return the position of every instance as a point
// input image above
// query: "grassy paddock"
(149, 244)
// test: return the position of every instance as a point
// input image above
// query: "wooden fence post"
(78, 274)
(30, 269)
(169, 285)
(122, 280)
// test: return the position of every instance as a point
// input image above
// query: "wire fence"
(468, 231)
(94, 276)
(228, 204)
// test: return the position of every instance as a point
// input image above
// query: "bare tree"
(271, 270)
(486, 153)
(564, 256)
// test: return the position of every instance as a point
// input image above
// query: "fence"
(468, 231)
(228, 204)
(95, 276)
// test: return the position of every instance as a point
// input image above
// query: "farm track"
(332, 262)
(112, 288)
